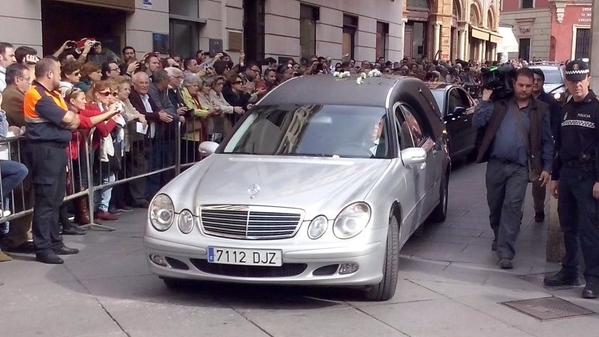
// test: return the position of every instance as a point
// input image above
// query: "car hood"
(316, 185)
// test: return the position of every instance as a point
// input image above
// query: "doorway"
(62, 21)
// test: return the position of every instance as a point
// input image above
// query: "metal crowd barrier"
(148, 161)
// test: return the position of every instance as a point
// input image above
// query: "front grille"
(249, 222)
(286, 270)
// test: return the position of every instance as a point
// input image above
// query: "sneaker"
(561, 279)
(505, 264)
(590, 291)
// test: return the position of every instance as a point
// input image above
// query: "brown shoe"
(106, 216)
(4, 257)
(82, 211)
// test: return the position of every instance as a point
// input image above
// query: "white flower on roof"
(341, 74)
(374, 73)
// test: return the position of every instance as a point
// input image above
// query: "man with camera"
(518, 146)
(575, 182)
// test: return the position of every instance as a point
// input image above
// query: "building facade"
(364, 30)
(451, 29)
(553, 30)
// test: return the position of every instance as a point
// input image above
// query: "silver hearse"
(321, 183)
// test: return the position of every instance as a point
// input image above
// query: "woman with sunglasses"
(77, 103)
(235, 95)
(102, 98)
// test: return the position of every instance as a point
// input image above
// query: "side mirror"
(207, 148)
(413, 156)
(459, 110)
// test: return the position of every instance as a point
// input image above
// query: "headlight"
(352, 220)
(162, 212)
(186, 222)
(317, 227)
(557, 96)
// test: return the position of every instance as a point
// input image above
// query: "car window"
(466, 103)
(312, 130)
(403, 131)
(553, 76)
(413, 125)
(454, 100)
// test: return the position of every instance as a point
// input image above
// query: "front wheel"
(386, 288)
(440, 212)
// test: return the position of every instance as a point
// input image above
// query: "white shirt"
(145, 98)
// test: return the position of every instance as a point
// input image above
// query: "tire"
(172, 283)
(385, 290)
(440, 212)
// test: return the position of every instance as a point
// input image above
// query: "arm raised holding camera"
(484, 110)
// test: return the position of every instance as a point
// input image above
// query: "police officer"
(49, 125)
(575, 182)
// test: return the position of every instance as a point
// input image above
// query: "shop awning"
(508, 43)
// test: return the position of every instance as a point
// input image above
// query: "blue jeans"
(12, 174)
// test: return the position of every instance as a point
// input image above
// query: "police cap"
(577, 70)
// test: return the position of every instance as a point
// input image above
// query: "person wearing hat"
(575, 182)
(555, 114)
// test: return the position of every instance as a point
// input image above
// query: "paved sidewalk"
(449, 286)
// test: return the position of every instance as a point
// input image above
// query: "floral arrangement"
(372, 73)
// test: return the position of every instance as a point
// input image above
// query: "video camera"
(499, 79)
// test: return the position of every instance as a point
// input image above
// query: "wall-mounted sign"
(147, 4)
(586, 15)
(215, 46)
(160, 43)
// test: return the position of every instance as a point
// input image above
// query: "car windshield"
(312, 130)
(552, 76)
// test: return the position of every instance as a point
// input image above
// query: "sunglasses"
(238, 82)
(108, 93)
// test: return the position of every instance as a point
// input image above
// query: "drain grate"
(547, 308)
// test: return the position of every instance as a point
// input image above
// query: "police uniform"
(48, 139)
(576, 167)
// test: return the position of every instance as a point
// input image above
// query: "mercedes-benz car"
(321, 183)
(554, 80)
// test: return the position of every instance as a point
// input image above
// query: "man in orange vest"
(49, 125)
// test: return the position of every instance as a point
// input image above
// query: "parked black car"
(457, 109)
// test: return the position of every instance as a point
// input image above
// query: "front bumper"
(189, 262)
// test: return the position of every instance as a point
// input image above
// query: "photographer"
(518, 146)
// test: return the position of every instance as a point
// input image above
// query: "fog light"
(348, 268)
(159, 260)
(318, 227)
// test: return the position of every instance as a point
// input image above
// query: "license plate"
(246, 257)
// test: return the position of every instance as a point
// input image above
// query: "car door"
(455, 122)
(425, 173)
(413, 179)
(469, 131)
